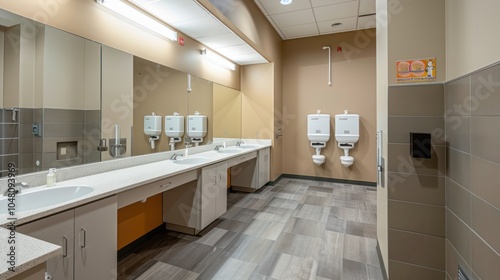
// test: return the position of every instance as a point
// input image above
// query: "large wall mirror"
(61, 97)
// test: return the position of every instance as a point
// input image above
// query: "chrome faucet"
(18, 186)
(174, 156)
(217, 147)
(239, 143)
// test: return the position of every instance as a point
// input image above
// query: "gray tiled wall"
(9, 140)
(19, 145)
(472, 189)
(416, 212)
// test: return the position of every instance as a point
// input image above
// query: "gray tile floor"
(297, 229)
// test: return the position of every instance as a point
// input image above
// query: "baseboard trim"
(123, 252)
(273, 183)
(381, 262)
(324, 179)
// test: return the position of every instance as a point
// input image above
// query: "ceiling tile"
(294, 18)
(172, 11)
(367, 7)
(367, 22)
(325, 27)
(304, 30)
(274, 6)
(343, 10)
(201, 27)
(318, 3)
(222, 40)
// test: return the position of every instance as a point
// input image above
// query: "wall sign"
(416, 70)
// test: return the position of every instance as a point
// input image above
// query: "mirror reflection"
(62, 95)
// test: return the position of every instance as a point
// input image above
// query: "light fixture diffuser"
(217, 59)
(286, 2)
(138, 17)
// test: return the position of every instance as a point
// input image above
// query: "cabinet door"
(264, 167)
(221, 194)
(95, 240)
(208, 195)
(57, 229)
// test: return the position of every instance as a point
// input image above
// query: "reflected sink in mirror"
(192, 160)
(248, 146)
(44, 197)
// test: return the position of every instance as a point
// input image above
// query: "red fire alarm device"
(181, 41)
(339, 49)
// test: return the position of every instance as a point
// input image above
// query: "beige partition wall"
(306, 90)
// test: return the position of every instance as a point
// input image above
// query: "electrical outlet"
(63, 151)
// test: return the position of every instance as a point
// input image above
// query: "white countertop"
(104, 184)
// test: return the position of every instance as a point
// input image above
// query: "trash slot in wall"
(420, 145)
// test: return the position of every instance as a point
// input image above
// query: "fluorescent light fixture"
(138, 17)
(286, 2)
(217, 59)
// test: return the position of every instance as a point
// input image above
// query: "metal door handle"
(65, 246)
(84, 234)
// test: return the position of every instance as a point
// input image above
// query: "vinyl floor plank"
(296, 229)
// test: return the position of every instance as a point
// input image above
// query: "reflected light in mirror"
(138, 17)
(217, 59)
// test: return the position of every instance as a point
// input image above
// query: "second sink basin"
(191, 160)
(229, 150)
(248, 146)
(44, 197)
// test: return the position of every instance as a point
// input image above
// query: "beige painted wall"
(266, 98)
(117, 84)
(92, 76)
(306, 91)
(12, 64)
(163, 96)
(200, 99)
(471, 42)
(1, 63)
(64, 70)
(226, 112)
(417, 30)
(89, 20)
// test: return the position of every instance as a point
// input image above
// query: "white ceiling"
(304, 18)
(191, 19)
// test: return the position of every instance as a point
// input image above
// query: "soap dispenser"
(51, 177)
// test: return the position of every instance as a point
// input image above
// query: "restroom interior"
(432, 214)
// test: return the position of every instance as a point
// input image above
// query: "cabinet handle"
(220, 178)
(84, 235)
(166, 185)
(65, 246)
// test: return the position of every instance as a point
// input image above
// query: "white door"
(57, 229)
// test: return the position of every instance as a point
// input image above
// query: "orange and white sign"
(416, 70)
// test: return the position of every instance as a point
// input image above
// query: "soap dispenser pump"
(51, 177)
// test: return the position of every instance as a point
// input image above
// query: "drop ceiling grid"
(294, 20)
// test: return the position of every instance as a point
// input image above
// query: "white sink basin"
(192, 160)
(229, 150)
(44, 197)
(248, 146)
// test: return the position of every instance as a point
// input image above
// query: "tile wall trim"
(472, 73)
(416, 84)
